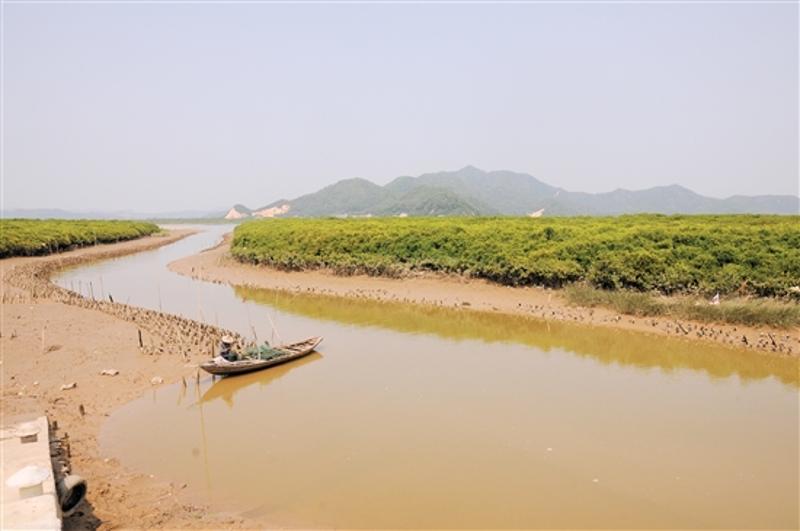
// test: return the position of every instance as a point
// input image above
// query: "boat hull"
(291, 352)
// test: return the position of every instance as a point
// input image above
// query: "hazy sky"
(189, 106)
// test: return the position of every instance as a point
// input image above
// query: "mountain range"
(57, 213)
(471, 191)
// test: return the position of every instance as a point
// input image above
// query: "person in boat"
(226, 348)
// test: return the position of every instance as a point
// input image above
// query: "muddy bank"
(52, 337)
(473, 294)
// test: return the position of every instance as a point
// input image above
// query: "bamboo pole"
(274, 330)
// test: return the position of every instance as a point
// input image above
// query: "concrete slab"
(38, 512)
(25, 441)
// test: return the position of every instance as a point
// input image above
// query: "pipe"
(71, 491)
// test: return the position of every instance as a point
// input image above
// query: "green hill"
(471, 192)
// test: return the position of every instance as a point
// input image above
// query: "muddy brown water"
(413, 416)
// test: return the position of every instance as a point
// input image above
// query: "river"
(413, 416)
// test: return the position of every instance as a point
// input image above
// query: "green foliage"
(262, 352)
(756, 255)
(27, 237)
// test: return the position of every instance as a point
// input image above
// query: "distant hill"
(466, 192)
(431, 201)
(347, 197)
(472, 191)
(238, 212)
(55, 213)
(359, 197)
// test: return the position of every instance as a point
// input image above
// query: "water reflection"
(225, 388)
(607, 345)
(422, 417)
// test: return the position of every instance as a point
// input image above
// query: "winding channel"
(413, 416)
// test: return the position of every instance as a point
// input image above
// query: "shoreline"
(52, 337)
(216, 265)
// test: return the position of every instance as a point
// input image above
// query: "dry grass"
(752, 312)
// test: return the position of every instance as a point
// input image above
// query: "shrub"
(756, 255)
(26, 237)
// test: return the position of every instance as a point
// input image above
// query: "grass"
(699, 255)
(750, 312)
(28, 237)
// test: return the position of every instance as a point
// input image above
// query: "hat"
(228, 340)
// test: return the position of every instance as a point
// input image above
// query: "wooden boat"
(292, 351)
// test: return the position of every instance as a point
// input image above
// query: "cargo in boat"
(281, 354)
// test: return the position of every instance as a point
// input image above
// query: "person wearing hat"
(225, 348)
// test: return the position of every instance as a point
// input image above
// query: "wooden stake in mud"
(141, 344)
(91, 289)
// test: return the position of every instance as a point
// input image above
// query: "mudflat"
(55, 346)
(53, 338)
(216, 265)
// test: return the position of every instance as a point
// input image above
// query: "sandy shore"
(51, 337)
(216, 265)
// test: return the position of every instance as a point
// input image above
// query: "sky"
(187, 106)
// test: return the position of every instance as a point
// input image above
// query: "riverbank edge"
(171, 347)
(217, 265)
